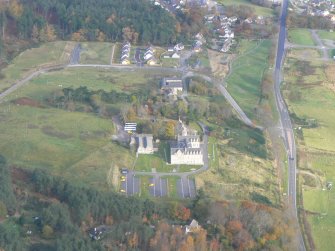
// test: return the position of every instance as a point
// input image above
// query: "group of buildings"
(323, 8)
(125, 53)
(187, 147)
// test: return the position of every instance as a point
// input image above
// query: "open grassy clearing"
(326, 35)
(47, 54)
(96, 53)
(244, 83)
(304, 54)
(234, 175)
(77, 145)
(94, 79)
(309, 92)
(70, 144)
(300, 36)
(258, 9)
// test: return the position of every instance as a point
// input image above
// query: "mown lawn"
(326, 35)
(244, 83)
(310, 96)
(300, 36)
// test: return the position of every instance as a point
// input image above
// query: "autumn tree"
(170, 130)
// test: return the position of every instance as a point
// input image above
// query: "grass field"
(244, 83)
(326, 35)
(234, 175)
(94, 79)
(70, 144)
(258, 9)
(300, 36)
(53, 53)
(96, 53)
(310, 94)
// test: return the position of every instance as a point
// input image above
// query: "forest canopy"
(112, 20)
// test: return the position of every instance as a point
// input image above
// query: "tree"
(50, 33)
(47, 232)
(3, 210)
(6, 187)
(170, 130)
(35, 34)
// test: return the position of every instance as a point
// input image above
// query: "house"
(144, 143)
(187, 149)
(179, 47)
(125, 61)
(175, 55)
(197, 46)
(172, 85)
(148, 55)
(125, 52)
(193, 227)
(152, 61)
(95, 234)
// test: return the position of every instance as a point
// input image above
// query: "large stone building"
(187, 150)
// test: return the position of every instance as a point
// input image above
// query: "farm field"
(244, 82)
(258, 9)
(309, 92)
(96, 53)
(53, 53)
(300, 36)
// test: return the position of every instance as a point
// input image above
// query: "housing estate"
(187, 149)
(125, 52)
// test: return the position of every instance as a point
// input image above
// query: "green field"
(258, 9)
(94, 79)
(96, 53)
(47, 54)
(326, 35)
(244, 83)
(300, 36)
(311, 97)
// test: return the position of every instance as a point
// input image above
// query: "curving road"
(288, 134)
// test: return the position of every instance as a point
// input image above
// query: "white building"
(172, 85)
(187, 150)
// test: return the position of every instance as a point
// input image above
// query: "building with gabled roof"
(187, 149)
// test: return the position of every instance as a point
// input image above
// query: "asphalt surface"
(185, 186)
(75, 55)
(287, 130)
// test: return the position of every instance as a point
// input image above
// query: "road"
(287, 130)
(26, 79)
(317, 39)
(75, 55)
(241, 114)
